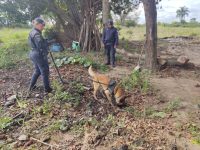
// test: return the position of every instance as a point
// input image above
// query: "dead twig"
(51, 146)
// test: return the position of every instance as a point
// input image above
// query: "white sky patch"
(166, 11)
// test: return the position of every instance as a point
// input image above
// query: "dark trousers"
(41, 68)
(110, 53)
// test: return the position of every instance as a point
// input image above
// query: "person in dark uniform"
(38, 55)
(110, 40)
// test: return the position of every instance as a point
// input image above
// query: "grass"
(138, 80)
(13, 46)
(137, 33)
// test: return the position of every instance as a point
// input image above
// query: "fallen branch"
(124, 52)
(51, 146)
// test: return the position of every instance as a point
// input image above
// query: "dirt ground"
(112, 129)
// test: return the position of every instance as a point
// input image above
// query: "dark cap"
(40, 21)
(110, 22)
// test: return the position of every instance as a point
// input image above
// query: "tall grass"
(13, 46)
(137, 33)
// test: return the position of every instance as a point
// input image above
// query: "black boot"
(48, 90)
(31, 88)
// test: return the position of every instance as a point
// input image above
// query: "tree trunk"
(106, 10)
(151, 34)
(122, 19)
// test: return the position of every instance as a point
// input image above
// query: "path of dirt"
(177, 83)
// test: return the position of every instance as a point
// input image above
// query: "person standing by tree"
(38, 55)
(110, 40)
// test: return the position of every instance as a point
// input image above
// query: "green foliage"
(78, 59)
(50, 33)
(130, 23)
(138, 80)
(64, 96)
(46, 107)
(4, 121)
(122, 7)
(173, 105)
(182, 13)
(134, 112)
(74, 60)
(158, 115)
(22, 104)
(55, 126)
(195, 132)
(13, 47)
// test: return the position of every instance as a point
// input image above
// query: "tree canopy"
(181, 13)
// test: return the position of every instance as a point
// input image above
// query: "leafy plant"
(173, 105)
(158, 115)
(138, 80)
(46, 107)
(195, 131)
(22, 104)
(4, 121)
(74, 60)
(55, 126)
(65, 96)
(133, 112)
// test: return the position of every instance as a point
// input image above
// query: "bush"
(136, 79)
(130, 23)
(50, 33)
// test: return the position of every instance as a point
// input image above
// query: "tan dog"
(101, 80)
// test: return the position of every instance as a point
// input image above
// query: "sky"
(167, 13)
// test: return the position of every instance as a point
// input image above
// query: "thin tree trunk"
(106, 10)
(151, 34)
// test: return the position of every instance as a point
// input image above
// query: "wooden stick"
(51, 146)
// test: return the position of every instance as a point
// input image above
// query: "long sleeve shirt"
(110, 36)
(37, 42)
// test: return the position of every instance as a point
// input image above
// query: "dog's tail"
(91, 72)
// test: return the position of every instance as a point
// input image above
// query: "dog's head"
(120, 96)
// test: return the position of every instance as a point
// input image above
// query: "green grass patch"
(136, 79)
(173, 105)
(13, 46)
(137, 33)
(4, 122)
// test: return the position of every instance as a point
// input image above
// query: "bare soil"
(109, 128)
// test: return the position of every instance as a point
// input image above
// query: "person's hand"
(115, 46)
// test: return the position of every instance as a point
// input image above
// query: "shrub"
(130, 23)
(50, 33)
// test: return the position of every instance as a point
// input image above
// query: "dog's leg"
(96, 87)
(109, 98)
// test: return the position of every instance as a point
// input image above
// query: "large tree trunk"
(151, 34)
(106, 10)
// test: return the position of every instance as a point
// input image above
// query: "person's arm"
(116, 37)
(104, 36)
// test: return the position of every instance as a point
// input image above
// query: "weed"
(133, 112)
(101, 67)
(148, 112)
(119, 57)
(77, 59)
(138, 80)
(78, 127)
(63, 96)
(78, 86)
(55, 126)
(195, 132)
(158, 115)
(22, 104)
(4, 121)
(173, 105)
